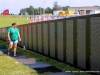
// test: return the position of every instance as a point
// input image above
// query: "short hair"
(14, 23)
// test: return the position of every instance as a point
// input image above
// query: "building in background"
(63, 13)
(85, 10)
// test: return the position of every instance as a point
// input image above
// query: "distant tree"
(30, 10)
(48, 10)
(56, 6)
(40, 10)
(59, 7)
(23, 11)
(19, 13)
(65, 8)
(37, 11)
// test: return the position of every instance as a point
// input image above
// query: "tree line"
(38, 11)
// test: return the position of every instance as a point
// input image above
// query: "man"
(13, 34)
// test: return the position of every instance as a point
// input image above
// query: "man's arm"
(9, 36)
(19, 36)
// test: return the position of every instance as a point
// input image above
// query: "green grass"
(38, 57)
(6, 21)
(13, 16)
(9, 67)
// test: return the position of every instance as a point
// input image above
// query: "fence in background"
(73, 40)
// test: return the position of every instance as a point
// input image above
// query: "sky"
(14, 6)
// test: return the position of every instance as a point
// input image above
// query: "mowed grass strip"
(9, 67)
(62, 66)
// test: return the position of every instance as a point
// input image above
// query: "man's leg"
(10, 47)
(15, 47)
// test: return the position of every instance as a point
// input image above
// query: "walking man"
(13, 36)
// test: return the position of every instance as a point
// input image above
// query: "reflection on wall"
(88, 11)
(81, 12)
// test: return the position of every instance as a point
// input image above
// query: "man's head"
(15, 24)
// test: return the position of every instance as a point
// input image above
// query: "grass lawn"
(8, 67)
(8, 20)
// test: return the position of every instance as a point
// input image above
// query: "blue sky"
(15, 5)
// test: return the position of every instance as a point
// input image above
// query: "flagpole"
(17, 9)
(44, 6)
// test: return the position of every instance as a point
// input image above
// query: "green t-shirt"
(13, 33)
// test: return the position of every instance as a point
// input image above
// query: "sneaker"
(8, 54)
